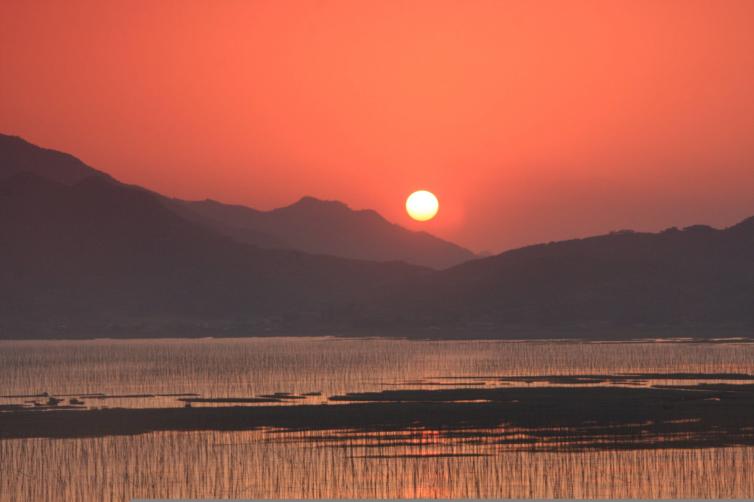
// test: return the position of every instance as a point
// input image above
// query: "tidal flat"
(558, 418)
(327, 417)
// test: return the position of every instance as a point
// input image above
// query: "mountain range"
(85, 255)
(309, 225)
(325, 227)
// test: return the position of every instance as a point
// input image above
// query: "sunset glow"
(225, 272)
(537, 121)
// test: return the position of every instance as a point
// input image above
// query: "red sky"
(531, 120)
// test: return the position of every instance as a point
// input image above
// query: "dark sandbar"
(587, 417)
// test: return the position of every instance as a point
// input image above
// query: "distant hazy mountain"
(695, 276)
(327, 227)
(100, 254)
(18, 156)
(84, 255)
(310, 225)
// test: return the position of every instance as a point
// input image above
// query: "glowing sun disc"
(422, 205)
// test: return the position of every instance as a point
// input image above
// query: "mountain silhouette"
(310, 225)
(326, 227)
(85, 255)
(19, 156)
(690, 277)
(97, 253)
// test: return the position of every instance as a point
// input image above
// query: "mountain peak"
(310, 225)
(310, 202)
(18, 155)
(745, 225)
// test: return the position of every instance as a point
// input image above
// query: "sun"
(422, 205)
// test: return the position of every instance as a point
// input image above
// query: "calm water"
(312, 464)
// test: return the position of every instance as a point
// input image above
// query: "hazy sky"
(531, 121)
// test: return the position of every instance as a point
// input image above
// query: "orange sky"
(531, 120)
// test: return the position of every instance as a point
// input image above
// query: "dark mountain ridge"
(83, 255)
(309, 225)
(18, 156)
(326, 227)
(100, 253)
(698, 275)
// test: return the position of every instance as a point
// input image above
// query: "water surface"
(412, 462)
